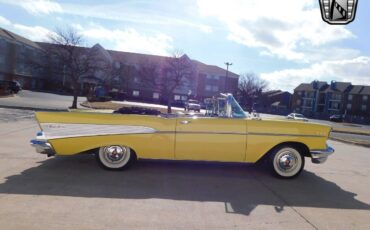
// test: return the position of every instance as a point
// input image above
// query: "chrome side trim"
(63, 130)
(321, 155)
(284, 134)
(215, 133)
(248, 133)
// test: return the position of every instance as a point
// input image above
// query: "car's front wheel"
(286, 162)
(115, 157)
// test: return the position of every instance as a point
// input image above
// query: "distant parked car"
(178, 103)
(12, 87)
(15, 86)
(337, 118)
(192, 105)
(297, 116)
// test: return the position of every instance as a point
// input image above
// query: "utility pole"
(227, 73)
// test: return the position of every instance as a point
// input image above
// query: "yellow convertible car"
(224, 133)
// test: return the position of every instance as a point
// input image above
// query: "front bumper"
(42, 146)
(320, 156)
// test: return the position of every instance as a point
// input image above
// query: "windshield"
(299, 115)
(224, 106)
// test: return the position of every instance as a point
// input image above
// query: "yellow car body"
(179, 138)
(233, 138)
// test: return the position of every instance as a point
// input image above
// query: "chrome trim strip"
(205, 132)
(63, 130)
(284, 134)
(248, 133)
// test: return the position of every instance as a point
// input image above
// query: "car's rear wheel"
(115, 157)
(286, 162)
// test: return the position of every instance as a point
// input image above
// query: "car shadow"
(240, 187)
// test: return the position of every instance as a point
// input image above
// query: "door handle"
(184, 122)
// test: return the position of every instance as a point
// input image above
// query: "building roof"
(304, 87)
(16, 38)
(270, 92)
(135, 58)
(365, 90)
(138, 58)
(356, 89)
(338, 87)
(212, 69)
(279, 93)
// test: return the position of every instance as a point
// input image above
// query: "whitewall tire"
(286, 162)
(115, 157)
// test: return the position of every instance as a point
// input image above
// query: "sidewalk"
(30, 100)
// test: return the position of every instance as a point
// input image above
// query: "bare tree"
(120, 76)
(67, 57)
(176, 72)
(250, 88)
(150, 74)
(179, 70)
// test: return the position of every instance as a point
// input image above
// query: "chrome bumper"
(320, 156)
(42, 146)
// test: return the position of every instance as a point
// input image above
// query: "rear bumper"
(41, 145)
(320, 156)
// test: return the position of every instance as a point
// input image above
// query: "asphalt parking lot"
(37, 192)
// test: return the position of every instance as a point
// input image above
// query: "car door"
(211, 139)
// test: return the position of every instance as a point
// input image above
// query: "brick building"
(15, 52)
(319, 99)
(208, 80)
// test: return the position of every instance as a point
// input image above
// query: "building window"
(136, 80)
(350, 97)
(363, 107)
(365, 97)
(177, 97)
(349, 106)
(298, 102)
(208, 87)
(215, 88)
(135, 93)
(336, 96)
(2, 59)
(184, 98)
(155, 95)
(213, 77)
(299, 93)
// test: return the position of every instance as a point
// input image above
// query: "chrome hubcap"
(287, 162)
(115, 154)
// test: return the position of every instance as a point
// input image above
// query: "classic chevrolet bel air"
(224, 133)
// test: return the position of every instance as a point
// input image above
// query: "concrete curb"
(350, 142)
(355, 133)
(34, 109)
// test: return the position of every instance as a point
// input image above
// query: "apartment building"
(320, 99)
(133, 71)
(15, 54)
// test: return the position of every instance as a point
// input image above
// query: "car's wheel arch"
(299, 146)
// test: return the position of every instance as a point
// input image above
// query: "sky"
(285, 42)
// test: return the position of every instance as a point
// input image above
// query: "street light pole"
(227, 73)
